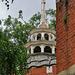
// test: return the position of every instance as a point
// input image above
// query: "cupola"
(42, 47)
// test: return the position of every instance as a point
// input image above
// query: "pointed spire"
(43, 10)
(43, 22)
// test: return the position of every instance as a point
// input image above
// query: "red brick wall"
(65, 34)
(41, 71)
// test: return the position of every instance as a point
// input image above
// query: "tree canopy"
(13, 35)
(13, 54)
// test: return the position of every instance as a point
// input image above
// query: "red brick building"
(41, 71)
(65, 30)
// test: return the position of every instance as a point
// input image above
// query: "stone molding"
(41, 57)
(40, 30)
(45, 54)
(43, 25)
(37, 43)
(43, 60)
(43, 63)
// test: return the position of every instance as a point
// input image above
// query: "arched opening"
(51, 36)
(39, 37)
(46, 36)
(47, 49)
(37, 49)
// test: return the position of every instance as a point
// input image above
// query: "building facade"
(65, 30)
(42, 48)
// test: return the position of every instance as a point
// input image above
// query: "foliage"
(0, 22)
(65, 18)
(13, 58)
(51, 13)
(13, 54)
(52, 21)
(35, 19)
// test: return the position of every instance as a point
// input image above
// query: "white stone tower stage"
(42, 47)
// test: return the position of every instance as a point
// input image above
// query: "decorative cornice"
(41, 66)
(41, 58)
(45, 54)
(35, 43)
(43, 63)
(39, 30)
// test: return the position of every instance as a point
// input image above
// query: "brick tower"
(42, 48)
(65, 30)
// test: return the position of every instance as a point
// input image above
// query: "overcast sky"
(29, 7)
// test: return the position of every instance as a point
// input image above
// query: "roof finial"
(43, 11)
(43, 22)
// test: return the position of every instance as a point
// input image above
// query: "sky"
(29, 8)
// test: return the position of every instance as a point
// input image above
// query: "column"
(36, 37)
(31, 37)
(42, 48)
(42, 36)
(49, 37)
(53, 50)
(32, 49)
(53, 37)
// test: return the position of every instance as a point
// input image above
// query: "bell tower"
(42, 48)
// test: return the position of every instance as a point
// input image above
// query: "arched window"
(46, 36)
(52, 37)
(37, 49)
(47, 49)
(39, 37)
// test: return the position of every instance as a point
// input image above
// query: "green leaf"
(12, 1)
(0, 22)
